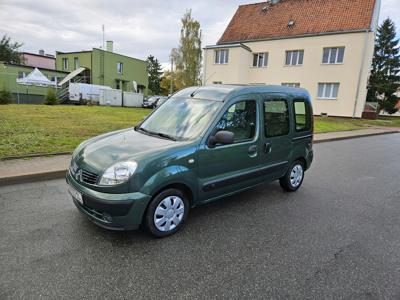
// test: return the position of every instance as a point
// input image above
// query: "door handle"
(267, 147)
(252, 149)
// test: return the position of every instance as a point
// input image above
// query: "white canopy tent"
(36, 78)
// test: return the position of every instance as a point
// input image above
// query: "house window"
(221, 57)
(76, 62)
(260, 60)
(21, 75)
(302, 112)
(328, 90)
(276, 117)
(291, 84)
(119, 67)
(217, 82)
(333, 55)
(65, 63)
(294, 58)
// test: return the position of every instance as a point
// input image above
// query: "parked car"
(150, 102)
(204, 143)
(161, 100)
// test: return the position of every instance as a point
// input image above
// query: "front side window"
(327, 90)
(65, 63)
(221, 57)
(291, 84)
(76, 62)
(240, 119)
(302, 114)
(119, 67)
(21, 75)
(276, 117)
(181, 118)
(294, 58)
(333, 55)
(260, 60)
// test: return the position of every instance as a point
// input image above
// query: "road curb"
(353, 137)
(57, 174)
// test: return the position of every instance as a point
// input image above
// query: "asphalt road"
(338, 237)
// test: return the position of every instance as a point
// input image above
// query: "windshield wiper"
(160, 134)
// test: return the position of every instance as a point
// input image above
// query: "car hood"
(103, 151)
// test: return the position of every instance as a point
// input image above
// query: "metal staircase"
(63, 91)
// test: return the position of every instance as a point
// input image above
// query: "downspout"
(204, 66)
(360, 72)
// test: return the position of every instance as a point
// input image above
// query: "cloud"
(137, 27)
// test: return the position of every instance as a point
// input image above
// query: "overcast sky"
(137, 27)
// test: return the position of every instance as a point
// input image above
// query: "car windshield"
(180, 118)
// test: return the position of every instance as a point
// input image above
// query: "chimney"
(41, 52)
(109, 46)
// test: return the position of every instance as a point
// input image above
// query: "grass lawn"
(34, 129)
(28, 129)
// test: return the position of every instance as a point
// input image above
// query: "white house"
(325, 46)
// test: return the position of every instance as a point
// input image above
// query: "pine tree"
(154, 70)
(9, 52)
(385, 77)
(187, 57)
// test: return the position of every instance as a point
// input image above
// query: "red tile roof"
(251, 22)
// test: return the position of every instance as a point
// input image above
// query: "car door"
(224, 169)
(276, 135)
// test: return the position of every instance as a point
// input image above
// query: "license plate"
(75, 194)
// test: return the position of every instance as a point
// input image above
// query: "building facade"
(106, 68)
(325, 47)
(40, 60)
(9, 73)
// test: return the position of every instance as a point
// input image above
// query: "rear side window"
(276, 117)
(302, 115)
(240, 118)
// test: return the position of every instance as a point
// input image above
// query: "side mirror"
(221, 137)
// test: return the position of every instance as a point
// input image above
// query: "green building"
(9, 73)
(106, 68)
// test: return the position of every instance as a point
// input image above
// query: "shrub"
(5, 96)
(50, 98)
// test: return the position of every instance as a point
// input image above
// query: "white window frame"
(330, 49)
(120, 70)
(324, 90)
(220, 59)
(291, 62)
(65, 64)
(291, 84)
(261, 57)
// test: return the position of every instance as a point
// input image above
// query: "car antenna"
(195, 92)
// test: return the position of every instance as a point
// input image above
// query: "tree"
(154, 70)
(9, 51)
(187, 57)
(384, 78)
(165, 83)
(5, 96)
(50, 98)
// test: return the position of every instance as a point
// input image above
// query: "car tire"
(294, 177)
(166, 213)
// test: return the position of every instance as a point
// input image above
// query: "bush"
(50, 98)
(5, 96)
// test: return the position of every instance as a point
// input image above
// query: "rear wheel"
(166, 213)
(293, 178)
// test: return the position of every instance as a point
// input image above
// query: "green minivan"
(202, 144)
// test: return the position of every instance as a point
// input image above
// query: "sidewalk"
(52, 167)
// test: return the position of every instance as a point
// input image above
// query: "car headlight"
(118, 173)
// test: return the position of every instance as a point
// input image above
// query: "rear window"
(302, 113)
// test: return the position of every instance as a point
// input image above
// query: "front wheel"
(166, 213)
(293, 178)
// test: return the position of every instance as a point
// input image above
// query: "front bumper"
(111, 211)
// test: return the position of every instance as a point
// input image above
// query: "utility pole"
(172, 76)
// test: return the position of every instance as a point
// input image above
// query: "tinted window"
(276, 117)
(302, 115)
(240, 119)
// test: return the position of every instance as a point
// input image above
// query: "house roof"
(270, 20)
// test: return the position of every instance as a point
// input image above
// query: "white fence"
(114, 97)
